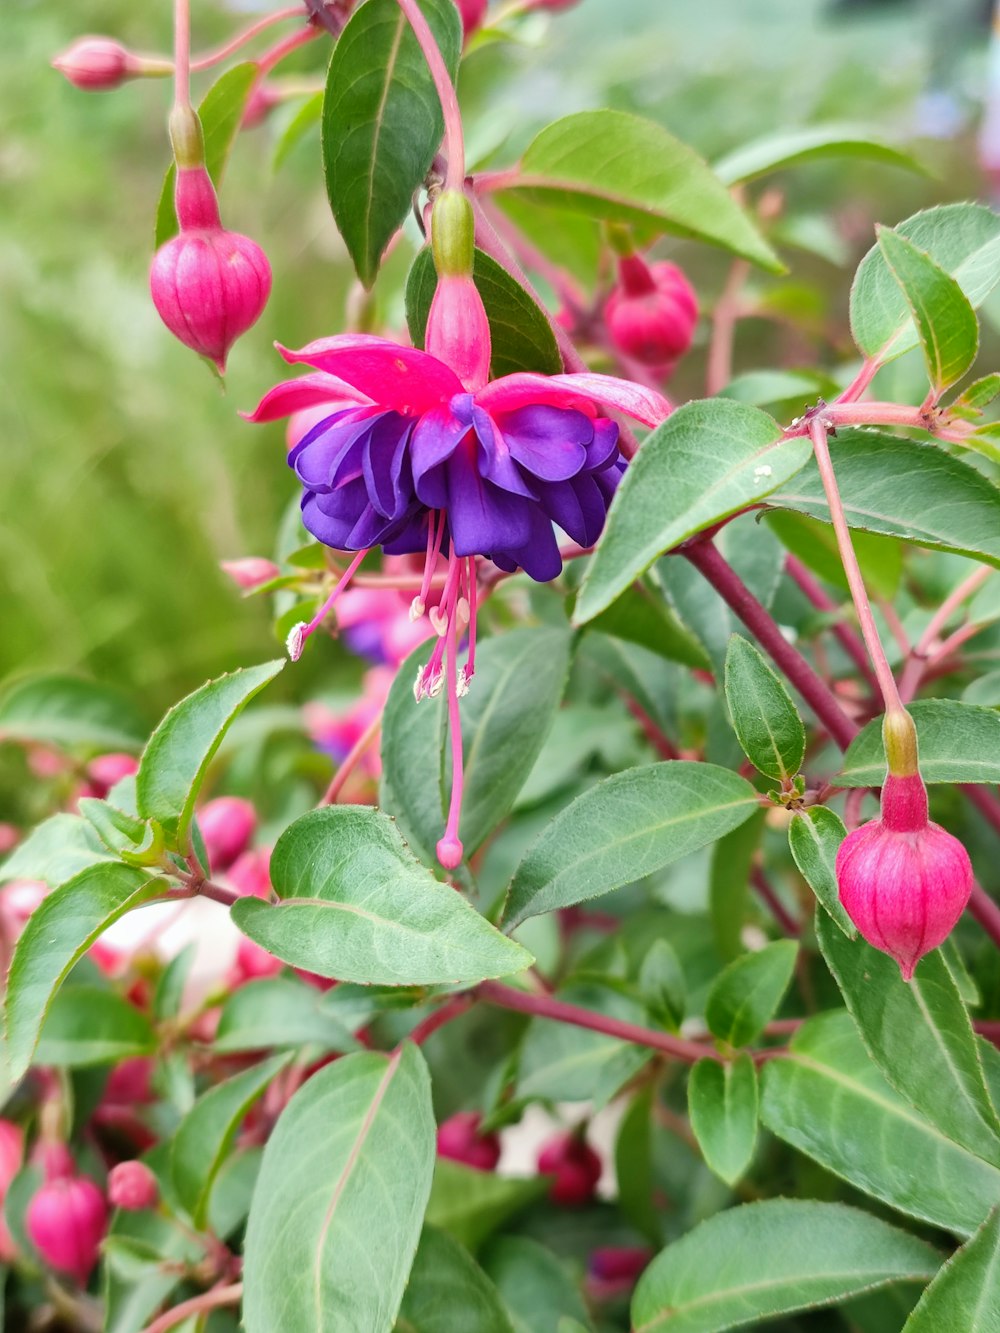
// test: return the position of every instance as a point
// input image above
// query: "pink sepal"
(576, 391)
(313, 390)
(400, 379)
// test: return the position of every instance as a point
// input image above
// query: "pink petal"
(315, 390)
(401, 378)
(579, 392)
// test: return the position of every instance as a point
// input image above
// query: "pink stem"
(182, 53)
(473, 588)
(953, 641)
(248, 34)
(846, 637)
(985, 911)
(324, 610)
(775, 906)
(949, 606)
(720, 350)
(860, 382)
(454, 729)
(350, 760)
(208, 1300)
(284, 48)
(453, 138)
(883, 672)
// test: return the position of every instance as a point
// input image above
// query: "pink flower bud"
(903, 881)
(250, 873)
(132, 1186)
(652, 313)
(252, 962)
(619, 1263)
(576, 1167)
(251, 571)
(227, 824)
(130, 1081)
(97, 64)
(473, 12)
(209, 285)
(107, 769)
(459, 1139)
(11, 1153)
(66, 1221)
(10, 836)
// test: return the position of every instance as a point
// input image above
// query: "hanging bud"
(903, 880)
(209, 285)
(227, 824)
(250, 572)
(66, 1221)
(473, 12)
(575, 1166)
(651, 314)
(459, 1139)
(98, 64)
(132, 1187)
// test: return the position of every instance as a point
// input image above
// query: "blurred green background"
(125, 471)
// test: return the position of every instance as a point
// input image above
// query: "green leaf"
(945, 321)
(746, 994)
(965, 1294)
(448, 1292)
(962, 239)
(708, 460)
(382, 122)
(634, 1167)
(772, 1258)
(506, 717)
(722, 1104)
(470, 1205)
(903, 489)
(642, 616)
(357, 906)
(89, 1026)
(818, 1094)
(206, 1133)
(814, 838)
(729, 884)
(174, 762)
(170, 985)
(58, 933)
(521, 335)
(616, 166)
(339, 1203)
(221, 113)
(959, 742)
(310, 113)
(815, 544)
(535, 1286)
(568, 1063)
(59, 848)
(625, 828)
(978, 395)
(919, 1035)
(65, 710)
(662, 985)
(809, 143)
(278, 1012)
(765, 720)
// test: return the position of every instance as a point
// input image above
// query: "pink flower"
(251, 571)
(11, 1156)
(903, 880)
(459, 1139)
(99, 64)
(337, 733)
(67, 1220)
(575, 1166)
(132, 1187)
(652, 313)
(227, 824)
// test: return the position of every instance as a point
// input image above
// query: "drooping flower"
(652, 312)
(436, 459)
(66, 1220)
(459, 1138)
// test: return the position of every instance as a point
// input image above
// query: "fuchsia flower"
(459, 1139)
(132, 1187)
(67, 1219)
(99, 64)
(652, 313)
(420, 453)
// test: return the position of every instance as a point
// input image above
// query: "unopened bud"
(98, 64)
(576, 1168)
(459, 1139)
(450, 850)
(108, 769)
(651, 315)
(250, 572)
(132, 1187)
(66, 1221)
(227, 824)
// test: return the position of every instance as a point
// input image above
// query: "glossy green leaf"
(959, 742)
(382, 122)
(613, 165)
(708, 460)
(978, 395)
(945, 321)
(206, 1133)
(817, 1096)
(965, 1294)
(88, 1026)
(746, 994)
(168, 996)
(340, 1200)
(58, 933)
(765, 720)
(279, 1012)
(808, 143)
(641, 615)
(59, 848)
(356, 905)
(662, 985)
(470, 1205)
(771, 1258)
(506, 717)
(815, 544)
(520, 333)
(221, 113)
(625, 828)
(535, 1285)
(903, 489)
(962, 239)
(173, 764)
(448, 1292)
(919, 1035)
(722, 1105)
(814, 838)
(66, 710)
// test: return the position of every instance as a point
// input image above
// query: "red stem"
(454, 1008)
(776, 907)
(350, 760)
(208, 1300)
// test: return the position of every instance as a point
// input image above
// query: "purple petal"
(579, 507)
(481, 516)
(435, 438)
(321, 454)
(386, 466)
(494, 458)
(603, 446)
(539, 557)
(575, 391)
(549, 441)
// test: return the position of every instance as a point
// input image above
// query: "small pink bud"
(251, 571)
(11, 1153)
(459, 1139)
(261, 102)
(619, 1263)
(130, 1081)
(107, 769)
(97, 64)
(903, 881)
(209, 285)
(473, 12)
(576, 1167)
(227, 824)
(250, 873)
(133, 1187)
(67, 1220)
(652, 313)
(10, 836)
(252, 962)
(450, 853)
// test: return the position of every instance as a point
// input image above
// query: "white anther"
(462, 613)
(296, 640)
(417, 609)
(439, 621)
(461, 684)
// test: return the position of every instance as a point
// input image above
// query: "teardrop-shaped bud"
(66, 1221)
(652, 313)
(459, 1139)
